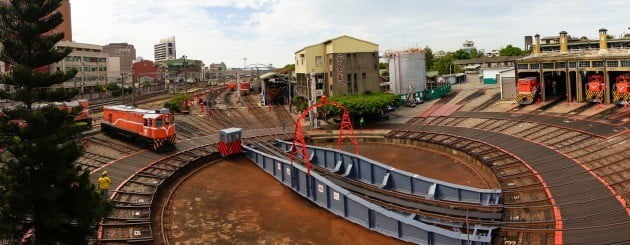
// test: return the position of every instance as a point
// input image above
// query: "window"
(349, 87)
(561, 65)
(318, 61)
(547, 65)
(598, 63)
(572, 65)
(612, 63)
(102, 60)
(585, 64)
(522, 66)
(356, 86)
(102, 68)
(158, 123)
(90, 59)
(355, 77)
(347, 55)
(364, 76)
(354, 55)
(72, 58)
(86, 68)
(349, 77)
(146, 122)
(534, 66)
(625, 63)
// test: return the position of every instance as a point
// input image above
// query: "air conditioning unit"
(319, 92)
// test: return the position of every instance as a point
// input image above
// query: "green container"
(489, 81)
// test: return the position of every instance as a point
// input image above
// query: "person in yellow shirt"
(103, 184)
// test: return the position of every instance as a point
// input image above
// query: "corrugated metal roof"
(481, 60)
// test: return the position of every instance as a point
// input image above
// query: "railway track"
(131, 220)
(480, 92)
(606, 159)
(97, 105)
(489, 102)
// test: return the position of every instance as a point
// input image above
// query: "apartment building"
(165, 50)
(93, 65)
(126, 52)
(340, 66)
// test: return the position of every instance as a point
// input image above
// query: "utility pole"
(185, 75)
(133, 87)
(122, 80)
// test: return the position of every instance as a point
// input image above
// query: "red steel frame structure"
(346, 131)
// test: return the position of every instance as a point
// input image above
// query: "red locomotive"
(595, 88)
(231, 86)
(244, 88)
(154, 129)
(528, 89)
(230, 141)
(621, 94)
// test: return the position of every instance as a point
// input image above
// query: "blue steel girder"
(374, 173)
(341, 202)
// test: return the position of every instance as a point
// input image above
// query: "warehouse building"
(563, 66)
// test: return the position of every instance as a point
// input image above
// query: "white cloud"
(270, 31)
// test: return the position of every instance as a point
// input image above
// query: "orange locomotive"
(528, 89)
(154, 129)
(595, 88)
(621, 95)
(83, 116)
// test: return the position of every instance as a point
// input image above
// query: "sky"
(270, 31)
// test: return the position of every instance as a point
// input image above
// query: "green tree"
(475, 53)
(510, 51)
(369, 105)
(461, 54)
(383, 65)
(42, 189)
(445, 65)
(429, 58)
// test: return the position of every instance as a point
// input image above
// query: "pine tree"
(42, 190)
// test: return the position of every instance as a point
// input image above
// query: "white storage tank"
(407, 67)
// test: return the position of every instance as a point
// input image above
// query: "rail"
(375, 173)
(342, 202)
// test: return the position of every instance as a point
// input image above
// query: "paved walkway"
(586, 205)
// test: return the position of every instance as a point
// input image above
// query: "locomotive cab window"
(146, 122)
(158, 123)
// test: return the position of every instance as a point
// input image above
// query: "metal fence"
(433, 91)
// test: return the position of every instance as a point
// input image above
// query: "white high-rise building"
(165, 50)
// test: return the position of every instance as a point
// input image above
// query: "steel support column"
(607, 85)
(567, 78)
(579, 87)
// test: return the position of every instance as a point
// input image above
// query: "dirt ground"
(235, 202)
(420, 161)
